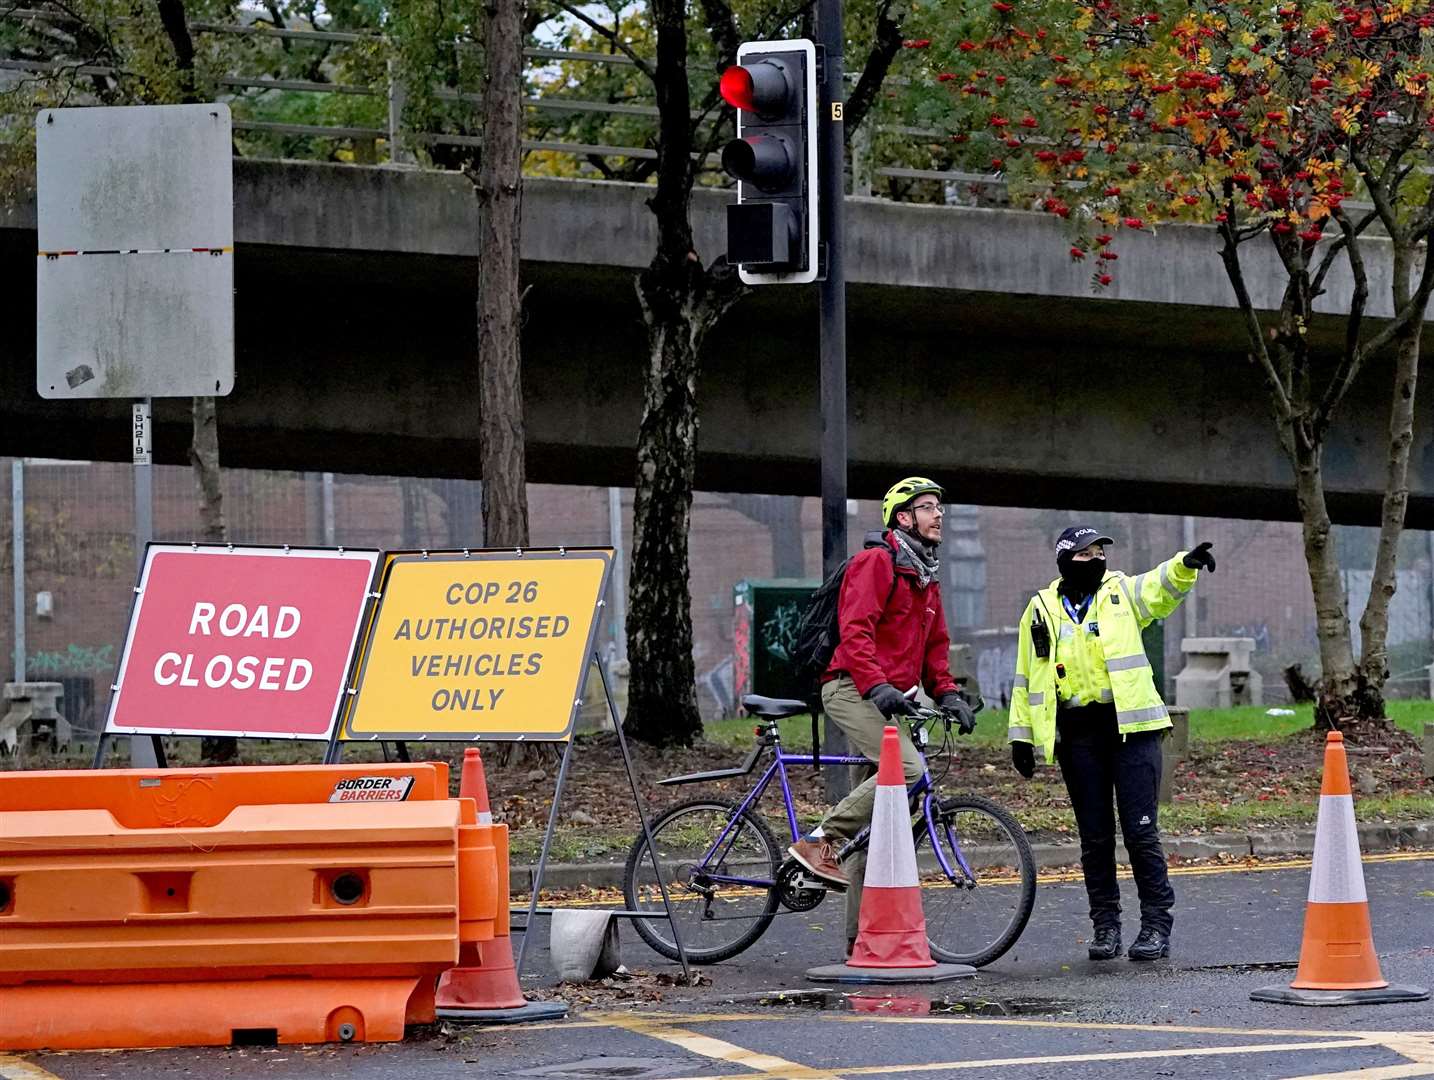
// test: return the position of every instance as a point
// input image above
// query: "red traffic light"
(736, 88)
(764, 87)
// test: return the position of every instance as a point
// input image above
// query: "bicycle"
(727, 876)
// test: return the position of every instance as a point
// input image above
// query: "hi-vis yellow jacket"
(1123, 606)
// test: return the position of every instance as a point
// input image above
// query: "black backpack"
(819, 632)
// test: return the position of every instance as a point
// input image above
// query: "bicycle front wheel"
(720, 869)
(974, 915)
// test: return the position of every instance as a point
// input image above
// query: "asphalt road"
(1041, 1011)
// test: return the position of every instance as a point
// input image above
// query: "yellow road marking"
(1381, 1037)
(1068, 1059)
(13, 1068)
(1413, 1046)
(1061, 877)
(719, 1050)
(669, 1026)
(1379, 1072)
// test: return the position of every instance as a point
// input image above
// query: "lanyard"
(1076, 613)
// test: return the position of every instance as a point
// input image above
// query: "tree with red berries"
(1305, 126)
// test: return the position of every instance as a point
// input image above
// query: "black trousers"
(1097, 764)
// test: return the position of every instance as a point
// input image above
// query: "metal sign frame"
(395, 559)
(284, 551)
(342, 737)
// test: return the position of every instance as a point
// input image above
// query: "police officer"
(1085, 694)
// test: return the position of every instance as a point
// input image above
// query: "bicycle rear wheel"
(973, 918)
(721, 873)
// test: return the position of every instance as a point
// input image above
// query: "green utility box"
(764, 629)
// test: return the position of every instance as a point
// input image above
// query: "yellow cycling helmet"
(902, 492)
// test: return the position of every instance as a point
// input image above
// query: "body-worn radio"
(1040, 636)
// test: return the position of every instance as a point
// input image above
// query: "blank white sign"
(135, 270)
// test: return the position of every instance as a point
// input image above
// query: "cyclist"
(1085, 692)
(893, 634)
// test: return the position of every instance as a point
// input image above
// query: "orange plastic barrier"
(167, 798)
(141, 908)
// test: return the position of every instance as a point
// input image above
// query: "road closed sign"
(491, 645)
(247, 641)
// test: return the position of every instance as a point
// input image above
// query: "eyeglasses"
(932, 508)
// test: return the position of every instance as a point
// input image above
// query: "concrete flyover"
(978, 354)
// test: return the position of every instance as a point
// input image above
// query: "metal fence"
(79, 564)
(889, 157)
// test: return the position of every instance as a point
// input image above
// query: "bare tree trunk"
(1336, 654)
(498, 185)
(662, 697)
(204, 457)
(681, 301)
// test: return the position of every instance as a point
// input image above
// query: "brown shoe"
(819, 857)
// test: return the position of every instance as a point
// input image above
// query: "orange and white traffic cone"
(483, 987)
(891, 943)
(1338, 964)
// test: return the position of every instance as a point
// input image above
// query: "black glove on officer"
(955, 705)
(1200, 558)
(891, 701)
(1023, 757)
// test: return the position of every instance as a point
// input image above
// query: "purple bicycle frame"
(778, 767)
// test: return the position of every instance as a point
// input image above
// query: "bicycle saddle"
(773, 708)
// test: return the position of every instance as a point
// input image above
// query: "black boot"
(1106, 945)
(1150, 945)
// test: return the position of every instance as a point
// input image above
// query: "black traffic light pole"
(831, 37)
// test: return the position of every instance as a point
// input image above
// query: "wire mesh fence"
(80, 564)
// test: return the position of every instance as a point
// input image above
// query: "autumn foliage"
(1253, 117)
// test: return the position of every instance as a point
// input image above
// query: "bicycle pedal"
(803, 880)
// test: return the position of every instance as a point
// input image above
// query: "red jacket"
(889, 634)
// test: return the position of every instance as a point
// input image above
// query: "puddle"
(871, 1001)
(1248, 968)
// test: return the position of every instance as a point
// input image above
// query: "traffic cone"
(473, 784)
(891, 941)
(483, 987)
(1338, 964)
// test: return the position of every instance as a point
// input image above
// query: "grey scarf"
(915, 554)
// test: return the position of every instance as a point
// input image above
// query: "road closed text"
(248, 669)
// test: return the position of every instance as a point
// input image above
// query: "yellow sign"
(484, 644)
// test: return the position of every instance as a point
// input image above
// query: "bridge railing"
(347, 103)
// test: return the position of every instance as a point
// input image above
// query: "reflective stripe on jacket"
(1123, 606)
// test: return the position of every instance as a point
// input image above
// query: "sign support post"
(143, 753)
(617, 725)
(491, 645)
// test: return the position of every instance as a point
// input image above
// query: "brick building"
(79, 551)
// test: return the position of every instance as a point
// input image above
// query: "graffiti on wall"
(73, 660)
(779, 632)
(1259, 631)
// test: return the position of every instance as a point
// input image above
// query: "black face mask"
(1081, 578)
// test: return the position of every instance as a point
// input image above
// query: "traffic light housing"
(773, 229)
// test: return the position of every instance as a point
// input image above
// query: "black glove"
(955, 705)
(1023, 757)
(891, 701)
(1200, 558)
